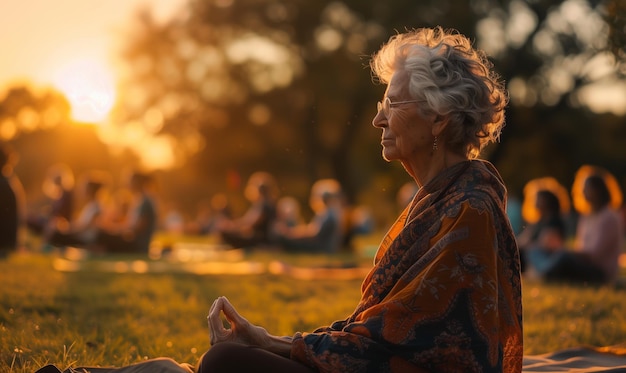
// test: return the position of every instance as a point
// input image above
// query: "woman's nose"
(379, 120)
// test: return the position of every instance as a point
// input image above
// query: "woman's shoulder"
(481, 201)
(483, 182)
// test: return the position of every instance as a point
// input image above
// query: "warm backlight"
(89, 87)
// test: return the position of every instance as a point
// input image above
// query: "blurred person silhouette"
(116, 208)
(254, 228)
(324, 233)
(405, 194)
(599, 233)
(58, 187)
(361, 220)
(221, 208)
(444, 293)
(288, 212)
(357, 220)
(83, 230)
(209, 215)
(173, 219)
(545, 204)
(202, 222)
(12, 202)
(514, 211)
(133, 232)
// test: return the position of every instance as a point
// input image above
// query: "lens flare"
(88, 86)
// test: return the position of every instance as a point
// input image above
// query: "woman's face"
(406, 134)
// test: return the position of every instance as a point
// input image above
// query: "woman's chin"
(389, 155)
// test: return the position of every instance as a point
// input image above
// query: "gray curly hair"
(453, 78)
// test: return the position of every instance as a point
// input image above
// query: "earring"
(435, 147)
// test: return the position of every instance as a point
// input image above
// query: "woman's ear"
(439, 125)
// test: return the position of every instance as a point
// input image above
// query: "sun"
(89, 87)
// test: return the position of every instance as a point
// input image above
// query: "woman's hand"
(241, 330)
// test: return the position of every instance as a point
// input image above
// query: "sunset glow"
(89, 87)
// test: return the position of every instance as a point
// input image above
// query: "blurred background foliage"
(229, 87)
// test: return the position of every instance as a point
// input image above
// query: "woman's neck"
(425, 172)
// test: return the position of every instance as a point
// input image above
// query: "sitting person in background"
(543, 210)
(405, 194)
(58, 187)
(599, 234)
(323, 234)
(83, 230)
(202, 222)
(288, 212)
(255, 226)
(132, 233)
(514, 211)
(209, 214)
(12, 200)
(173, 218)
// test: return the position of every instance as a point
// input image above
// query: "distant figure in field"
(134, 232)
(202, 222)
(514, 212)
(324, 233)
(11, 202)
(545, 203)
(173, 219)
(599, 233)
(209, 214)
(116, 208)
(58, 186)
(83, 230)
(405, 194)
(288, 212)
(254, 228)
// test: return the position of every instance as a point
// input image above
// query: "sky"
(41, 38)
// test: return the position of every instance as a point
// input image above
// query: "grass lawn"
(104, 318)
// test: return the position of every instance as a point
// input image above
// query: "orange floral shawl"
(444, 294)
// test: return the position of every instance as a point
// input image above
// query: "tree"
(36, 122)
(616, 19)
(555, 57)
(24, 110)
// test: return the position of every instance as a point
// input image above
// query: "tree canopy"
(231, 87)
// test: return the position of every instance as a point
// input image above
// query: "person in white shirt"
(598, 244)
(82, 230)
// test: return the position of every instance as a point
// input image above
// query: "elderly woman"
(444, 292)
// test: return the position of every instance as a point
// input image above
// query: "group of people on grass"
(276, 222)
(548, 247)
(89, 216)
(77, 214)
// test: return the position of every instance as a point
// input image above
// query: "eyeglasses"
(386, 105)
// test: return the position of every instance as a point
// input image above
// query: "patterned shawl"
(444, 294)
